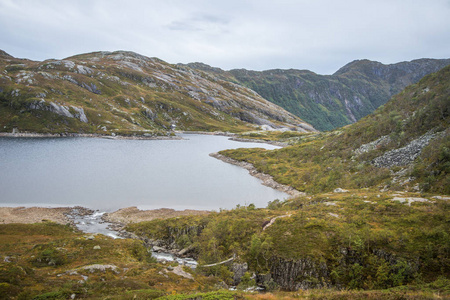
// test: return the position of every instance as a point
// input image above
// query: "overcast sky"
(318, 35)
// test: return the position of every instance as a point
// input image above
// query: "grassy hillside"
(126, 93)
(402, 145)
(354, 240)
(328, 102)
(51, 261)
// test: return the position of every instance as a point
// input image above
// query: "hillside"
(402, 145)
(371, 219)
(331, 101)
(127, 93)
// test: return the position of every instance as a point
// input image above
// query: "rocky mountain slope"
(332, 101)
(127, 93)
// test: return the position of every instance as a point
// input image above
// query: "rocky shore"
(275, 143)
(266, 179)
(65, 215)
(90, 135)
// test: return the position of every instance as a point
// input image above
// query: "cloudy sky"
(319, 35)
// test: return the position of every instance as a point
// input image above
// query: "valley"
(369, 216)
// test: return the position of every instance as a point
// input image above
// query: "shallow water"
(92, 223)
(106, 175)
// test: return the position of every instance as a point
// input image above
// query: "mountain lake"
(108, 174)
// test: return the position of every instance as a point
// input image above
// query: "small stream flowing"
(90, 221)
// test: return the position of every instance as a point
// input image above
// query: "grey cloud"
(198, 22)
(320, 35)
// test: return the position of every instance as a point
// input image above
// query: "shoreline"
(65, 215)
(266, 179)
(232, 136)
(244, 140)
(85, 135)
(144, 136)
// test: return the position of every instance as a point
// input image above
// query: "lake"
(106, 175)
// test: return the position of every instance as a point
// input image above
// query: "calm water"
(108, 174)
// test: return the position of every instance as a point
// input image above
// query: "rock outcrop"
(405, 155)
(299, 274)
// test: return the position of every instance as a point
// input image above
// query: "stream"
(90, 221)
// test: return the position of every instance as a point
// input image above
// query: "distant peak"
(356, 64)
(114, 55)
(203, 67)
(3, 53)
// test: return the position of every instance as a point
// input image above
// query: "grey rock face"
(405, 155)
(38, 105)
(101, 268)
(300, 274)
(80, 114)
(238, 271)
(91, 88)
(60, 110)
(373, 145)
(70, 79)
(41, 95)
(84, 70)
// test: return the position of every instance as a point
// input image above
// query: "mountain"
(331, 101)
(127, 93)
(403, 145)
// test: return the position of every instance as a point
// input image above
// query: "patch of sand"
(29, 215)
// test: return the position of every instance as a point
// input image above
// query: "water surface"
(109, 174)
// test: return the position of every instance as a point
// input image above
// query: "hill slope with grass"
(331, 101)
(402, 145)
(374, 217)
(127, 93)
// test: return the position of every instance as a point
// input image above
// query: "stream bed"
(90, 221)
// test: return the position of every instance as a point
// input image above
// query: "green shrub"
(49, 257)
